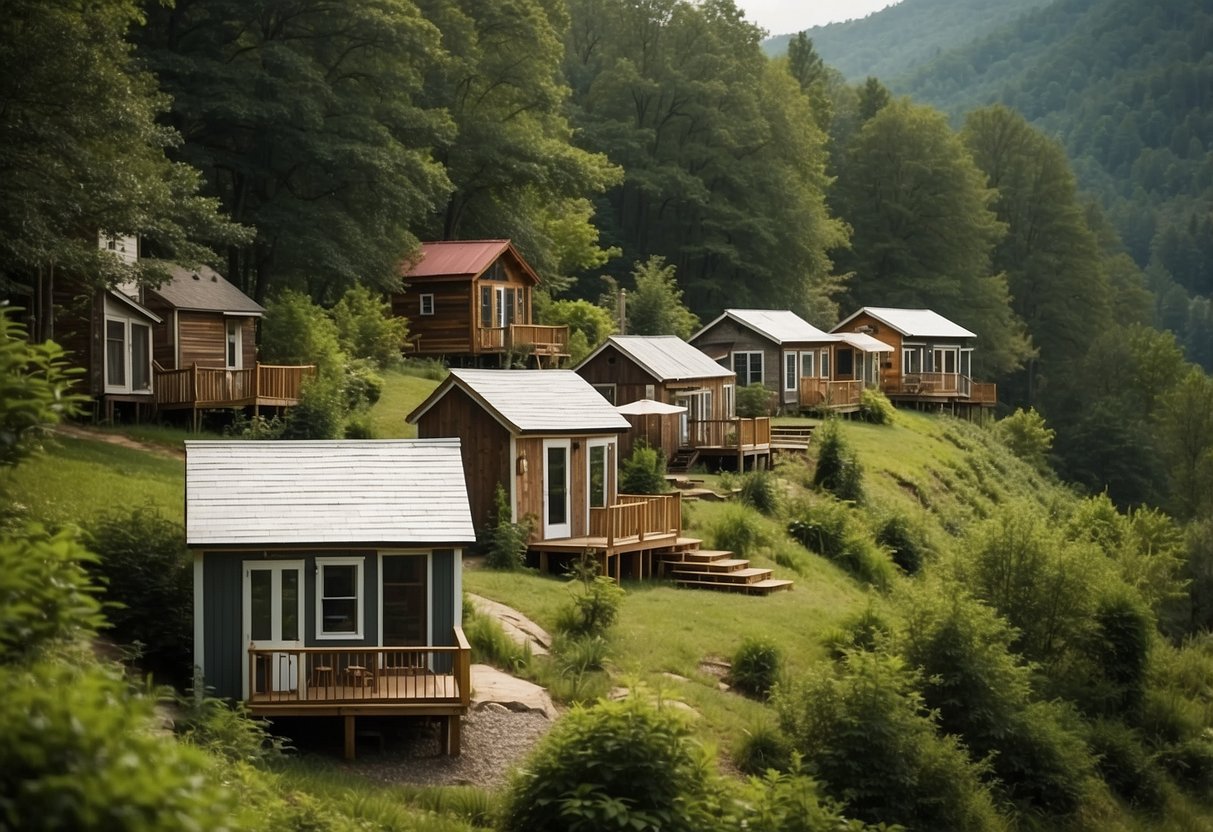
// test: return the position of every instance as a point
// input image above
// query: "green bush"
(595, 604)
(1121, 648)
(617, 765)
(738, 529)
(1025, 434)
(838, 470)
(148, 581)
(367, 329)
(581, 654)
(761, 749)
(362, 385)
(431, 368)
(359, 426)
(904, 542)
(254, 427)
(758, 490)
(507, 543)
(320, 412)
(491, 645)
(756, 667)
(753, 400)
(1190, 763)
(866, 630)
(1123, 762)
(643, 472)
(875, 407)
(226, 729)
(297, 331)
(829, 528)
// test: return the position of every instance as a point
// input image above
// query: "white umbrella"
(649, 407)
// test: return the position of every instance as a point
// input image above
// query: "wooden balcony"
(210, 387)
(740, 434)
(536, 339)
(306, 681)
(634, 524)
(937, 387)
(823, 394)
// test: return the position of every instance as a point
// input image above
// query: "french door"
(273, 618)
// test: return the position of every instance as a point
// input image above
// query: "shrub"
(828, 528)
(595, 604)
(756, 667)
(753, 400)
(581, 654)
(875, 407)
(737, 529)
(838, 470)
(758, 491)
(297, 331)
(1025, 435)
(254, 427)
(431, 368)
(366, 327)
(1190, 763)
(1124, 764)
(507, 542)
(617, 765)
(655, 306)
(866, 630)
(643, 472)
(761, 749)
(362, 385)
(1121, 647)
(320, 412)
(904, 542)
(147, 577)
(226, 729)
(359, 426)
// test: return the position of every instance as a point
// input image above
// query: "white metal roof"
(534, 401)
(864, 342)
(914, 323)
(779, 325)
(665, 357)
(283, 492)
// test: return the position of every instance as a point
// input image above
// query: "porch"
(537, 339)
(632, 529)
(823, 394)
(362, 681)
(940, 388)
(203, 388)
(740, 438)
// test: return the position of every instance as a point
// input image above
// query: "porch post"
(349, 737)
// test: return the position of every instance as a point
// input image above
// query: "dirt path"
(83, 432)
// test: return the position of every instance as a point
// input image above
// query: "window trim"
(127, 349)
(234, 338)
(823, 363)
(423, 308)
(359, 598)
(789, 372)
(746, 382)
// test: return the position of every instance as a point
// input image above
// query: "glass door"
(556, 489)
(273, 618)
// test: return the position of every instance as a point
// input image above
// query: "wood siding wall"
(449, 330)
(485, 446)
(529, 487)
(730, 336)
(889, 375)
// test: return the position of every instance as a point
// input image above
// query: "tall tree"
(81, 153)
(655, 306)
(1049, 254)
(923, 230)
(302, 117)
(811, 73)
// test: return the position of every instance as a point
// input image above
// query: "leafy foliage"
(875, 407)
(756, 667)
(762, 749)
(507, 543)
(830, 528)
(758, 490)
(320, 412)
(655, 306)
(838, 470)
(1024, 432)
(596, 600)
(753, 400)
(296, 330)
(644, 471)
(737, 529)
(904, 541)
(589, 325)
(367, 329)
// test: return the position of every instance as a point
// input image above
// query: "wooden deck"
(921, 388)
(541, 341)
(205, 388)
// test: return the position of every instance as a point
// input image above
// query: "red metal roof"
(468, 258)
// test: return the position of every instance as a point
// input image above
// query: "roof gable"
(340, 492)
(664, 357)
(911, 323)
(779, 325)
(205, 290)
(533, 401)
(464, 259)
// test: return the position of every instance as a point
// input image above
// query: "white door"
(273, 618)
(556, 489)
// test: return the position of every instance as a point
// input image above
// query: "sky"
(781, 17)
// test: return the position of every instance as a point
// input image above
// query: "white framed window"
(427, 304)
(807, 363)
(911, 360)
(599, 456)
(730, 402)
(789, 371)
(748, 367)
(607, 391)
(128, 356)
(824, 364)
(235, 345)
(339, 601)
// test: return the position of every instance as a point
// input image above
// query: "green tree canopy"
(655, 306)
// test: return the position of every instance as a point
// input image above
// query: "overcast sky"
(781, 17)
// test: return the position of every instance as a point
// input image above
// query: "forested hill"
(898, 40)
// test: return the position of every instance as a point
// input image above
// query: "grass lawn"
(76, 480)
(401, 394)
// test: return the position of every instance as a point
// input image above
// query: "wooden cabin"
(470, 302)
(327, 577)
(930, 358)
(668, 370)
(772, 347)
(206, 349)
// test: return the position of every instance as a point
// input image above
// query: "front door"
(273, 618)
(556, 489)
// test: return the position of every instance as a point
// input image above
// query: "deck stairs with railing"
(683, 461)
(691, 567)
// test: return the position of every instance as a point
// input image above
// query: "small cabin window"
(806, 364)
(339, 597)
(607, 391)
(234, 344)
(427, 304)
(825, 364)
(789, 371)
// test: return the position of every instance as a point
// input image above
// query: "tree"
(810, 72)
(924, 233)
(655, 306)
(1186, 434)
(366, 327)
(81, 153)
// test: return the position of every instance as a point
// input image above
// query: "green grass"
(401, 394)
(74, 481)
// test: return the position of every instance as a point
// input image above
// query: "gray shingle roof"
(280, 492)
(205, 290)
(779, 325)
(534, 401)
(915, 323)
(665, 357)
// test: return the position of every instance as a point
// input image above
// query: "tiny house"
(470, 301)
(327, 577)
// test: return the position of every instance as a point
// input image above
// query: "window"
(115, 353)
(789, 371)
(607, 391)
(806, 364)
(339, 597)
(427, 304)
(510, 306)
(730, 402)
(598, 474)
(234, 358)
(486, 305)
(825, 364)
(141, 357)
(748, 367)
(128, 356)
(911, 360)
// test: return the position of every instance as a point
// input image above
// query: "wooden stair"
(688, 566)
(791, 436)
(683, 460)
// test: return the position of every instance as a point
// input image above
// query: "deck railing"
(213, 386)
(539, 339)
(638, 517)
(820, 392)
(984, 393)
(385, 675)
(739, 433)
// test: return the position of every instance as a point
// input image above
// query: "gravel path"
(494, 740)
